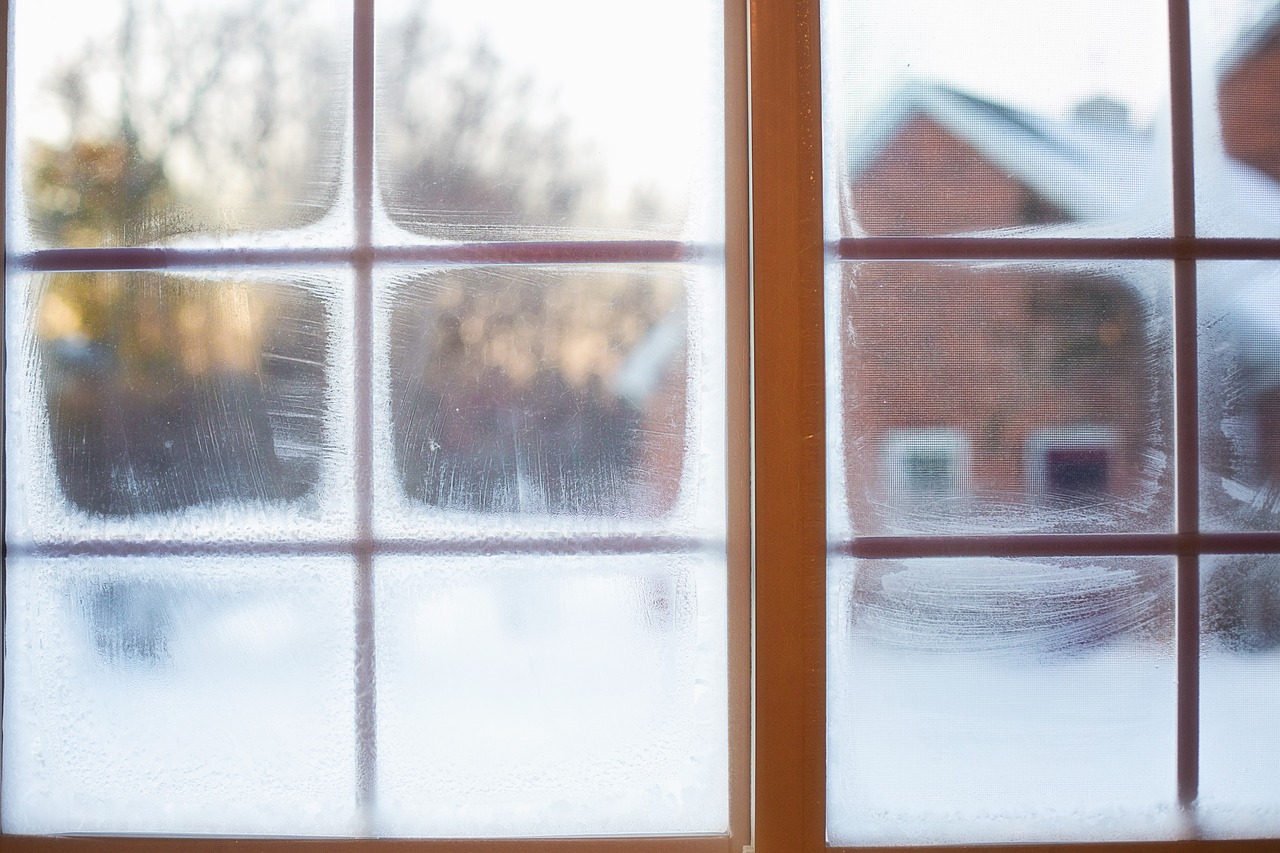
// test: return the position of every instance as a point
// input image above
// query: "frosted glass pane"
(1239, 711)
(977, 398)
(1236, 66)
(1239, 315)
(983, 700)
(565, 119)
(142, 396)
(179, 696)
(140, 120)
(1029, 118)
(540, 390)
(552, 695)
(550, 399)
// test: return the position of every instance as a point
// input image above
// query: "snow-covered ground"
(573, 695)
(962, 738)
(517, 696)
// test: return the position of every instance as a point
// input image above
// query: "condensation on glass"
(179, 695)
(1239, 718)
(550, 398)
(1236, 73)
(996, 397)
(989, 700)
(1020, 118)
(535, 682)
(138, 121)
(540, 390)
(995, 700)
(512, 123)
(151, 405)
(1239, 315)
(190, 510)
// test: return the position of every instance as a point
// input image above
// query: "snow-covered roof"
(1251, 40)
(1089, 169)
(1103, 173)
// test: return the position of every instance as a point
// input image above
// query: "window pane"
(1011, 116)
(1240, 721)
(163, 396)
(1237, 81)
(982, 700)
(178, 695)
(982, 398)
(540, 390)
(512, 121)
(552, 695)
(327, 665)
(1239, 315)
(140, 120)
(560, 399)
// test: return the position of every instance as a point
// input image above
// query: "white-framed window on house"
(1072, 463)
(368, 461)
(926, 464)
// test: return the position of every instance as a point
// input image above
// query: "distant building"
(1249, 106)
(1038, 395)
(976, 387)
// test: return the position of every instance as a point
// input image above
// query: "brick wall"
(1250, 110)
(998, 353)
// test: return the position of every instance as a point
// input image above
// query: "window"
(1011, 250)
(1073, 463)
(924, 463)
(801, 519)
(367, 437)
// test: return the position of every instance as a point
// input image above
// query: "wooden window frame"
(777, 519)
(361, 257)
(788, 257)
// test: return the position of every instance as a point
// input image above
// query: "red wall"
(998, 353)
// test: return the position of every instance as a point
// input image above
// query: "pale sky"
(1041, 55)
(638, 79)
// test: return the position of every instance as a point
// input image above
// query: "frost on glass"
(178, 695)
(984, 700)
(144, 120)
(540, 390)
(566, 119)
(552, 695)
(137, 396)
(1010, 117)
(1239, 316)
(1000, 397)
(1239, 713)
(1236, 68)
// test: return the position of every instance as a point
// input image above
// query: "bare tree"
(236, 112)
(233, 119)
(469, 146)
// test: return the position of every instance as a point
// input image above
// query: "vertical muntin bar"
(1187, 414)
(362, 104)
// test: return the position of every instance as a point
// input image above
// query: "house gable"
(927, 181)
(1249, 108)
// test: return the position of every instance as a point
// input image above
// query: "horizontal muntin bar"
(112, 259)
(70, 842)
(505, 544)
(1052, 248)
(1055, 545)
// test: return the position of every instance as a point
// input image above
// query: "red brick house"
(1024, 394)
(1248, 98)
(1037, 395)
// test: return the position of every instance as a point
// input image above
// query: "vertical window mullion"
(788, 426)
